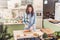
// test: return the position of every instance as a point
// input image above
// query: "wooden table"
(20, 34)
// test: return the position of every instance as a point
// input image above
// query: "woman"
(29, 18)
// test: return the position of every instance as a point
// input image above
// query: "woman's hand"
(31, 28)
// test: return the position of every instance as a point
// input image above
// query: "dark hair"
(27, 12)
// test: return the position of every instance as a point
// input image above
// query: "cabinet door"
(39, 22)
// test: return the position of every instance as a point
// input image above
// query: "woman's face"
(29, 9)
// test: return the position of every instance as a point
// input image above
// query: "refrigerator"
(57, 11)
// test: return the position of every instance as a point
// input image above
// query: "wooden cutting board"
(47, 30)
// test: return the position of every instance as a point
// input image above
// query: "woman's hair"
(27, 12)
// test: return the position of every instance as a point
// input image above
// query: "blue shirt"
(29, 20)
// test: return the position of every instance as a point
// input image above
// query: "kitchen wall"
(38, 5)
(10, 5)
(3, 4)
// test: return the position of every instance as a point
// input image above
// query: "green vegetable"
(45, 35)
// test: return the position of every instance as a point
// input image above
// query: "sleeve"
(24, 19)
(33, 20)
